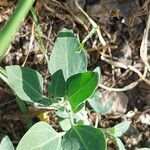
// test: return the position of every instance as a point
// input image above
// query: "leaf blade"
(40, 136)
(80, 87)
(119, 129)
(85, 138)
(27, 83)
(57, 87)
(65, 57)
(6, 144)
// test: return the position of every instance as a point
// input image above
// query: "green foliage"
(70, 87)
(57, 87)
(119, 129)
(6, 144)
(95, 103)
(65, 56)
(80, 87)
(27, 83)
(83, 137)
(65, 124)
(40, 136)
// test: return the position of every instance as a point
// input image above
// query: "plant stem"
(13, 24)
(3, 75)
(39, 34)
(24, 109)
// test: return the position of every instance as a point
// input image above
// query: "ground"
(120, 61)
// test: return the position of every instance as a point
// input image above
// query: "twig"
(30, 44)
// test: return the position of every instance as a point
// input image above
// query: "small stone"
(145, 119)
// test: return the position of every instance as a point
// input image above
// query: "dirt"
(123, 32)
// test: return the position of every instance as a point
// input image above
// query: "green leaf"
(83, 137)
(119, 129)
(95, 103)
(62, 112)
(26, 83)
(98, 70)
(6, 144)
(119, 143)
(45, 101)
(80, 87)
(57, 87)
(65, 124)
(81, 117)
(95, 99)
(40, 136)
(65, 57)
(106, 108)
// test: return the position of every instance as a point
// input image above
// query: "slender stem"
(13, 24)
(24, 109)
(39, 34)
(3, 75)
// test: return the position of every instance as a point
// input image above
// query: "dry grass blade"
(144, 57)
(95, 26)
(30, 45)
(144, 45)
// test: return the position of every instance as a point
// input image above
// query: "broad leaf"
(65, 56)
(6, 144)
(40, 136)
(57, 87)
(119, 129)
(80, 87)
(83, 137)
(27, 83)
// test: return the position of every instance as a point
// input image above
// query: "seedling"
(70, 87)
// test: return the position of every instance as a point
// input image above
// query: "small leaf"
(57, 87)
(62, 112)
(119, 143)
(6, 144)
(106, 108)
(83, 137)
(27, 83)
(95, 103)
(98, 70)
(65, 57)
(80, 87)
(81, 117)
(65, 124)
(120, 129)
(40, 136)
